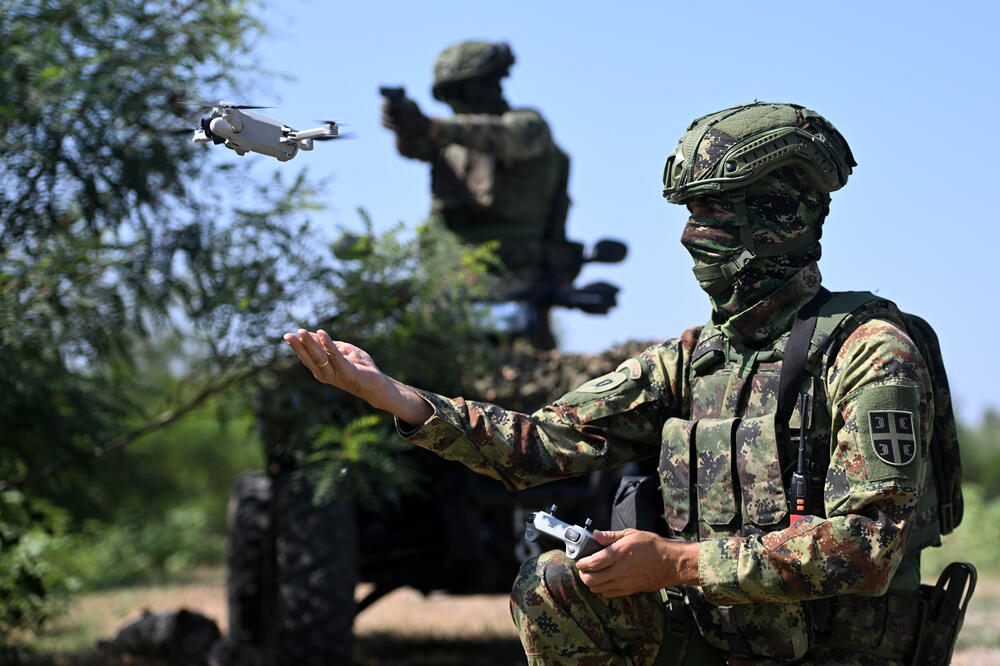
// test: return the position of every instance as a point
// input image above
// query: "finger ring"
(325, 363)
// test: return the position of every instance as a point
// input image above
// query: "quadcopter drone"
(242, 130)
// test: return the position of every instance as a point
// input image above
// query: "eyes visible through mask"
(707, 239)
(709, 207)
(711, 231)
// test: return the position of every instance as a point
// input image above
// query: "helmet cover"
(732, 148)
(472, 59)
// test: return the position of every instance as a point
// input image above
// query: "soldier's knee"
(544, 580)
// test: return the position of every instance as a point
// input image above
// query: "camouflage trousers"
(562, 623)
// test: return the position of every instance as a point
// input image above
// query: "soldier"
(756, 567)
(496, 173)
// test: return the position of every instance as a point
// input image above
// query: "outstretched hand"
(635, 561)
(352, 369)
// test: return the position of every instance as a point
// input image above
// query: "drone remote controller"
(580, 541)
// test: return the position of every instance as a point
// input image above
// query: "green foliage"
(139, 547)
(980, 444)
(410, 301)
(360, 460)
(111, 249)
(109, 246)
(32, 587)
(130, 295)
(976, 540)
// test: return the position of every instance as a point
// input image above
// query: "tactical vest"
(484, 197)
(523, 204)
(724, 472)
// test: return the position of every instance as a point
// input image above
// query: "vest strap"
(796, 352)
(793, 366)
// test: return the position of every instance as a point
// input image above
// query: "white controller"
(579, 540)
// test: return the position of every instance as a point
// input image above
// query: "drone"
(240, 129)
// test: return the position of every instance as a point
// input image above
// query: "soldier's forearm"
(414, 147)
(493, 135)
(402, 401)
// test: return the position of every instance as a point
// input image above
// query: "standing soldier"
(496, 173)
(804, 446)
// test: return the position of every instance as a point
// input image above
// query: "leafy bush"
(140, 548)
(413, 302)
(981, 452)
(32, 584)
(976, 540)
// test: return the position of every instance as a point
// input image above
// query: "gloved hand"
(405, 117)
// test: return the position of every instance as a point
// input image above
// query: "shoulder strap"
(793, 363)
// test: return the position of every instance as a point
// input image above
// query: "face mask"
(782, 213)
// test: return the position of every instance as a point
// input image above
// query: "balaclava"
(781, 209)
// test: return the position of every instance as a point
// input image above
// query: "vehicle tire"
(249, 550)
(317, 557)
(292, 570)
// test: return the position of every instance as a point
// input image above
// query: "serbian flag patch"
(893, 436)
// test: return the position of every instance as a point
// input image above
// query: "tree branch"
(160, 421)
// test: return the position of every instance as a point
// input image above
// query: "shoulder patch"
(633, 367)
(893, 436)
(603, 383)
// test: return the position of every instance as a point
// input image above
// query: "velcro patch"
(893, 436)
(603, 383)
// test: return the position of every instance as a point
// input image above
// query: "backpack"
(829, 317)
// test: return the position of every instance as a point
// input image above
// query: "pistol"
(395, 94)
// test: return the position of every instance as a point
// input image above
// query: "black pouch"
(639, 504)
(944, 611)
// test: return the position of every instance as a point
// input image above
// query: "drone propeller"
(209, 105)
(179, 131)
(331, 137)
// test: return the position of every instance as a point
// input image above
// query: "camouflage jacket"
(493, 177)
(697, 415)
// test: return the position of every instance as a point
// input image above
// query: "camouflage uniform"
(835, 587)
(494, 176)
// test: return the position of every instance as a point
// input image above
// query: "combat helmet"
(729, 149)
(725, 153)
(472, 59)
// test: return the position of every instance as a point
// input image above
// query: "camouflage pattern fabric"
(730, 149)
(561, 623)
(781, 208)
(471, 59)
(713, 391)
(493, 177)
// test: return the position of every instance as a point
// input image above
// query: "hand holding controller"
(579, 541)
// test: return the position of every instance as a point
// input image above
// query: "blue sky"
(912, 86)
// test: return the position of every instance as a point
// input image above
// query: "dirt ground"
(405, 628)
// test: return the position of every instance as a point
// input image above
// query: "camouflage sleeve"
(881, 402)
(606, 422)
(516, 135)
(415, 147)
